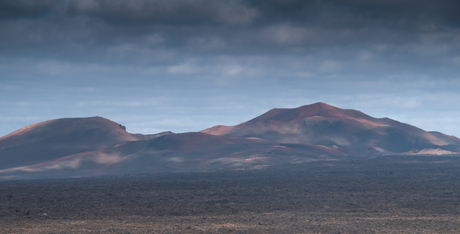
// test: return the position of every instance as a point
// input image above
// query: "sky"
(186, 65)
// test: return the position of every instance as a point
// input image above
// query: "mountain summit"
(314, 110)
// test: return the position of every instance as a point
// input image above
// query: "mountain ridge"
(75, 147)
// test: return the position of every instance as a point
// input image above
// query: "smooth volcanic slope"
(322, 124)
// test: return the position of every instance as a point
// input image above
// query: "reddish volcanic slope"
(52, 139)
(322, 124)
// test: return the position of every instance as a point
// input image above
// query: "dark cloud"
(257, 13)
(171, 31)
(237, 24)
(17, 9)
(180, 13)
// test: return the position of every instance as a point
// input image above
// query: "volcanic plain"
(388, 194)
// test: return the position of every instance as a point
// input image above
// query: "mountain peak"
(319, 109)
(322, 105)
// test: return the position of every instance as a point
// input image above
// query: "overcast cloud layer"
(185, 65)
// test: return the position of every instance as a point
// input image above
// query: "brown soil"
(397, 194)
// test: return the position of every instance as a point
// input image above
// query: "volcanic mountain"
(75, 147)
(53, 139)
(323, 124)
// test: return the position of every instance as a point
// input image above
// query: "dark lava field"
(391, 194)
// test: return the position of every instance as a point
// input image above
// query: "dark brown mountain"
(322, 124)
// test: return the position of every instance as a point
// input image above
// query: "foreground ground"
(393, 194)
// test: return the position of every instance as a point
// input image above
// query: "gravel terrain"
(392, 194)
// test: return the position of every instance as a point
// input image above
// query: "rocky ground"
(392, 194)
